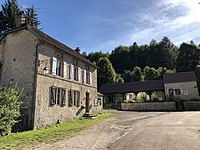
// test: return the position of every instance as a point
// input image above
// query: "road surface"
(169, 131)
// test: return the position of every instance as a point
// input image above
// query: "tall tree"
(32, 18)
(95, 57)
(8, 15)
(188, 58)
(120, 59)
(106, 72)
(133, 75)
(150, 73)
(167, 53)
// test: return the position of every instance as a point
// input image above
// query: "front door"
(87, 102)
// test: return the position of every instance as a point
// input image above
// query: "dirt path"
(101, 135)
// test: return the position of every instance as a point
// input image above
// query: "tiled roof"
(48, 39)
(143, 86)
(179, 77)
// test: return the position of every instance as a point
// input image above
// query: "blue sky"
(102, 25)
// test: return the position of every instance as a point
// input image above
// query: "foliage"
(26, 140)
(142, 98)
(96, 56)
(188, 58)
(8, 14)
(197, 72)
(9, 108)
(133, 75)
(120, 59)
(119, 79)
(106, 72)
(32, 18)
(150, 73)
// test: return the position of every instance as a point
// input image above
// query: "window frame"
(58, 96)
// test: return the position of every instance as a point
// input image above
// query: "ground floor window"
(174, 92)
(58, 96)
(74, 98)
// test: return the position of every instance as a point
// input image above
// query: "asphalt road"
(162, 131)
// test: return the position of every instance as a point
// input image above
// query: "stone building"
(181, 85)
(58, 83)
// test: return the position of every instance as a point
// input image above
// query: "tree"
(197, 72)
(132, 75)
(167, 54)
(188, 58)
(9, 108)
(120, 59)
(8, 15)
(106, 72)
(95, 57)
(150, 73)
(119, 79)
(32, 18)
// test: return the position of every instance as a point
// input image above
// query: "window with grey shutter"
(63, 97)
(54, 65)
(79, 74)
(64, 69)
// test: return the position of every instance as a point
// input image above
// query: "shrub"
(142, 98)
(9, 108)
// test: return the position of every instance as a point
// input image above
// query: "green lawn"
(27, 140)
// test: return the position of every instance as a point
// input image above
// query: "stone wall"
(46, 114)
(191, 105)
(149, 106)
(17, 52)
(189, 90)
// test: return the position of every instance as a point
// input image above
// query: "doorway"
(87, 102)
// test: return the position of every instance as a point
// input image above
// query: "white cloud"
(178, 19)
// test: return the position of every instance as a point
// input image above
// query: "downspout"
(35, 85)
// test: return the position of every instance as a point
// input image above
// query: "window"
(87, 75)
(58, 96)
(171, 92)
(75, 70)
(174, 92)
(177, 92)
(57, 67)
(74, 98)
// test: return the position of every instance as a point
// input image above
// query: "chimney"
(20, 19)
(77, 50)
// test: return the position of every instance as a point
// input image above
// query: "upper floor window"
(59, 67)
(74, 71)
(87, 75)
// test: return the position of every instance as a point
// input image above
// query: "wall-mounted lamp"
(46, 70)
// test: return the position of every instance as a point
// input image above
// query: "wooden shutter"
(78, 99)
(64, 69)
(84, 76)
(79, 74)
(71, 76)
(70, 97)
(90, 77)
(63, 97)
(54, 65)
(53, 95)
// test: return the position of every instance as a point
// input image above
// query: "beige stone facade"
(184, 90)
(58, 83)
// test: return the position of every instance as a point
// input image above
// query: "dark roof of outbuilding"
(179, 77)
(143, 86)
(48, 39)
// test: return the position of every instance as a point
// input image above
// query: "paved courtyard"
(138, 131)
(170, 131)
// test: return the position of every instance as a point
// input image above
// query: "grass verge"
(29, 139)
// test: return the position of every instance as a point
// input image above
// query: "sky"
(102, 25)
